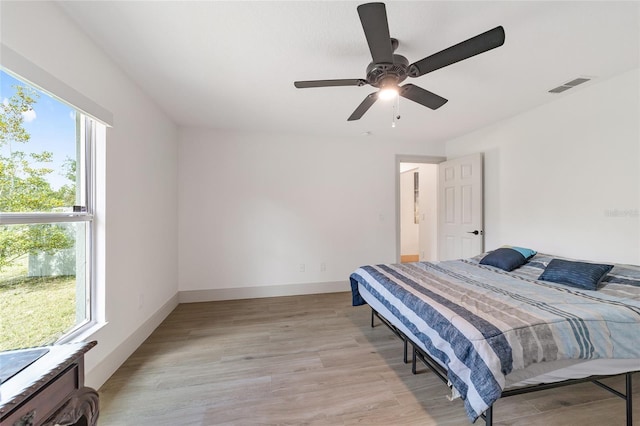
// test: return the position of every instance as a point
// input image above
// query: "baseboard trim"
(194, 296)
(97, 375)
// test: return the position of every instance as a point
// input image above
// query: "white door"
(460, 232)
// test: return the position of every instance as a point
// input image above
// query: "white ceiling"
(231, 65)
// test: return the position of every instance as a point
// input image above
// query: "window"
(46, 217)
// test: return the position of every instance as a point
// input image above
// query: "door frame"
(400, 158)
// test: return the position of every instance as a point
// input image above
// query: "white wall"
(428, 212)
(138, 223)
(422, 238)
(254, 207)
(565, 178)
(409, 230)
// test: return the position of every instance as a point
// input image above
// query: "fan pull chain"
(396, 111)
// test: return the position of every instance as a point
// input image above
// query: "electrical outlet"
(140, 301)
(323, 267)
(302, 267)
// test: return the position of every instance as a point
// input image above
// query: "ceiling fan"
(388, 69)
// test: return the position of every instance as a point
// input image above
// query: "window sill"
(84, 333)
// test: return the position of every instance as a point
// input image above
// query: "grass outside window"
(34, 311)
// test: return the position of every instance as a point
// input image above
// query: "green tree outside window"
(24, 186)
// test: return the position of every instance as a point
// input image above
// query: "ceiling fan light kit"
(388, 93)
(388, 69)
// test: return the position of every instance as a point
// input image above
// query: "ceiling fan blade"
(376, 29)
(422, 96)
(363, 107)
(463, 50)
(330, 83)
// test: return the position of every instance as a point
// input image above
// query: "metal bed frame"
(441, 372)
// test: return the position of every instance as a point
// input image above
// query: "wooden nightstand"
(50, 391)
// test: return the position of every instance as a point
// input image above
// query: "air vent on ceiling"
(559, 89)
(569, 85)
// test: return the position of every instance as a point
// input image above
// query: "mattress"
(492, 330)
(548, 372)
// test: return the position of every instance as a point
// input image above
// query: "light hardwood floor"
(308, 360)
(407, 258)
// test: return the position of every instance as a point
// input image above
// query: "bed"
(490, 332)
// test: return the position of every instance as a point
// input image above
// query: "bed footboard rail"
(394, 330)
(487, 416)
(627, 396)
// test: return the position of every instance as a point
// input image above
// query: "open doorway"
(417, 208)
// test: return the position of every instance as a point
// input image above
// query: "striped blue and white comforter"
(482, 322)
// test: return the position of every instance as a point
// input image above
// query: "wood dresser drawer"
(49, 390)
(43, 404)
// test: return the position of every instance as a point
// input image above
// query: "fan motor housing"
(384, 74)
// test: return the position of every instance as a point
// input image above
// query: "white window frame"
(88, 142)
(94, 119)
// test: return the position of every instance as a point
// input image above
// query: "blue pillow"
(526, 252)
(504, 258)
(576, 274)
